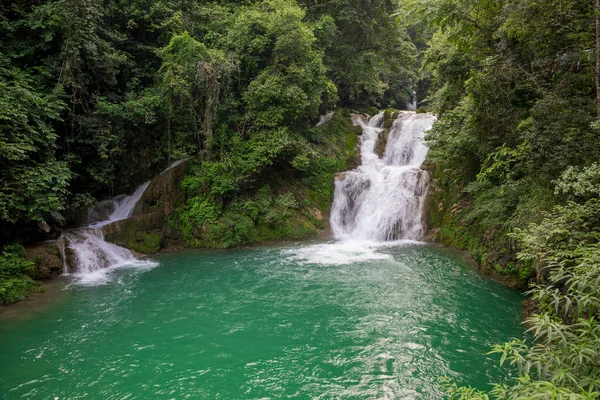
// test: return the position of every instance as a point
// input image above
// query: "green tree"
(291, 88)
(368, 52)
(194, 78)
(34, 182)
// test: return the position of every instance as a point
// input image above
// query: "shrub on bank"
(15, 283)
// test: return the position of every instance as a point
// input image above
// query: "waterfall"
(325, 118)
(412, 106)
(60, 244)
(92, 255)
(92, 252)
(382, 200)
(115, 209)
(174, 164)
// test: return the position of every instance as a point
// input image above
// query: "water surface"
(265, 323)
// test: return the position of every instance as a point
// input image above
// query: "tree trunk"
(598, 57)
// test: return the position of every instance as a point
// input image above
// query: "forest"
(96, 97)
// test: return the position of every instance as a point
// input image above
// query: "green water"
(258, 323)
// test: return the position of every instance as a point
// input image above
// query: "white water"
(94, 257)
(412, 106)
(325, 118)
(61, 244)
(174, 164)
(118, 208)
(381, 202)
(383, 199)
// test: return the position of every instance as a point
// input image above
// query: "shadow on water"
(52, 293)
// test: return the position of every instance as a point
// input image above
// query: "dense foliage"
(95, 97)
(15, 282)
(514, 156)
(562, 362)
(98, 96)
(513, 83)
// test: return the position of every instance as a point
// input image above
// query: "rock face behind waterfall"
(146, 230)
(383, 199)
(120, 230)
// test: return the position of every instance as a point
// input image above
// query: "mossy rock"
(145, 243)
(369, 111)
(47, 261)
(447, 216)
(389, 116)
(302, 229)
(135, 234)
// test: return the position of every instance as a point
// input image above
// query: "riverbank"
(49, 293)
(447, 219)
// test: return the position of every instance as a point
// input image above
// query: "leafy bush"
(562, 361)
(252, 194)
(15, 284)
(580, 182)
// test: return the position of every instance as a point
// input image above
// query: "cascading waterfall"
(380, 202)
(115, 209)
(383, 199)
(174, 164)
(325, 118)
(92, 254)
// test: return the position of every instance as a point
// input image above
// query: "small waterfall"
(383, 199)
(61, 244)
(412, 106)
(92, 254)
(174, 164)
(116, 209)
(325, 118)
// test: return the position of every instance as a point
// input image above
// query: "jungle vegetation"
(97, 96)
(515, 159)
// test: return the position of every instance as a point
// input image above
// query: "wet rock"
(147, 230)
(47, 259)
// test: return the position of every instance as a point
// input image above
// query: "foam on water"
(105, 275)
(93, 257)
(380, 203)
(343, 252)
(339, 253)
